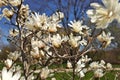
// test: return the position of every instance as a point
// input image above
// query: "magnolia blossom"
(79, 68)
(34, 42)
(53, 79)
(86, 31)
(52, 27)
(42, 53)
(37, 43)
(85, 59)
(69, 64)
(105, 38)
(94, 65)
(56, 40)
(60, 14)
(57, 16)
(81, 74)
(74, 40)
(10, 75)
(53, 22)
(102, 64)
(36, 21)
(80, 65)
(44, 73)
(15, 2)
(23, 14)
(8, 63)
(14, 32)
(33, 22)
(41, 44)
(98, 73)
(35, 52)
(14, 55)
(7, 13)
(83, 42)
(76, 26)
(103, 15)
(109, 66)
(3, 2)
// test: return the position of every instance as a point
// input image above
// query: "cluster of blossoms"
(42, 40)
(100, 68)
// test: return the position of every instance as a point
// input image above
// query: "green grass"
(1, 66)
(116, 66)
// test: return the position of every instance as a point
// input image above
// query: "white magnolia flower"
(85, 59)
(23, 14)
(102, 64)
(8, 63)
(52, 27)
(44, 73)
(42, 53)
(36, 21)
(105, 38)
(103, 15)
(60, 14)
(69, 64)
(94, 65)
(53, 79)
(57, 16)
(35, 52)
(3, 2)
(8, 74)
(83, 42)
(44, 20)
(53, 22)
(33, 22)
(15, 2)
(109, 66)
(98, 73)
(56, 40)
(74, 40)
(14, 55)
(80, 63)
(80, 66)
(14, 32)
(41, 44)
(65, 38)
(76, 26)
(37, 43)
(86, 31)
(81, 74)
(7, 13)
(34, 42)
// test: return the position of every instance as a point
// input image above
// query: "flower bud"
(15, 2)
(7, 13)
(8, 63)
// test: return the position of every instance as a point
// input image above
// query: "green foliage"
(89, 76)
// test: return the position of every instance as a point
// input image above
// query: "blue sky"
(43, 6)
